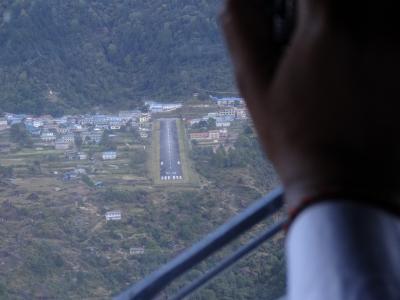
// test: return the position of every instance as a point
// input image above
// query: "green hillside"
(58, 56)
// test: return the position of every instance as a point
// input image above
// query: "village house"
(222, 123)
(129, 114)
(143, 134)
(199, 136)
(102, 127)
(212, 115)
(48, 136)
(46, 119)
(86, 120)
(156, 107)
(70, 155)
(100, 120)
(213, 135)
(223, 133)
(98, 184)
(80, 171)
(227, 112)
(15, 119)
(241, 113)
(71, 175)
(109, 155)
(76, 128)
(113, 215)
(51, 126)
(68, 138)
(115, 125)
(144, 117)
(228, 101)
(209, 136)
(33, 130)
(37, 123)
(194, 121)
(82, 156)
(134, 124)
(61, 121)
(95, 136)
(62, 129)
(115, 120)
(136, 251)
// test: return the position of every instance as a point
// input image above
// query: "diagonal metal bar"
(230, 260)
(150, 286)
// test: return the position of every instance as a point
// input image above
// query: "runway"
(170, 161)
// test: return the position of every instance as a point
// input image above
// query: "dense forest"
(64, 56)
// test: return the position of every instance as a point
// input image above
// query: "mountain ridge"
(63, 56)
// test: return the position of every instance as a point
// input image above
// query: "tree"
(78, 141)
(211, 124)
(86, 179)
(35, 168)
(6, 172)
(106, 142)
(20, 135)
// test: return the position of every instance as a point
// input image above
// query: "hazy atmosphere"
(123, 141)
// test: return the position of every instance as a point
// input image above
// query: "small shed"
(114, 215)
(109, 155)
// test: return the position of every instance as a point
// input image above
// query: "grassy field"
(154, 154)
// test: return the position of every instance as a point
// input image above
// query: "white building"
(129, 114)
(68, 138)
(48, 136)
(37, 123)
(222, 124)
(143, 134)
(94, 136)
(156, 107)
(241, 113)
(62, 129)
(136, 251)
(115, 126)
(82, 156)
(194, 121)
(228, 101)
(144, 117)
(231, 112)
(114, 215)
(109, 155)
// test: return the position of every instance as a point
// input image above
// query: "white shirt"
(344, 251)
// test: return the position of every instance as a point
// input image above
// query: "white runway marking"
(169, 151)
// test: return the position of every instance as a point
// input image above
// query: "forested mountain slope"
(57, 56)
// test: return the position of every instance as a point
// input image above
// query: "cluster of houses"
(228, 101)
(223, 117)
(211, 136)
(62, 132)
(230, 109)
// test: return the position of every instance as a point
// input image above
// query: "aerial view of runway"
(170, 161)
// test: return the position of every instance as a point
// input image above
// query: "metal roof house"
(113, 215)
(109, 155)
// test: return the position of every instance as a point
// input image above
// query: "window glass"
(123, 140)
